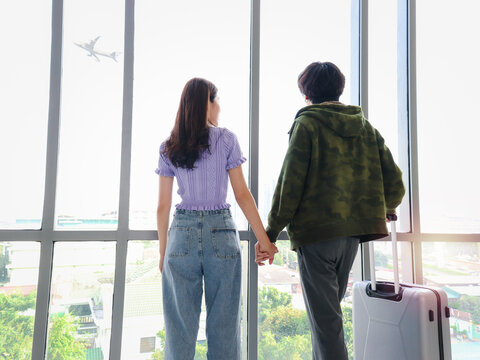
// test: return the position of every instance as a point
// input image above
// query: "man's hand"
(265, 251)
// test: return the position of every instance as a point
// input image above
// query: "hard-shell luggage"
(399, 321)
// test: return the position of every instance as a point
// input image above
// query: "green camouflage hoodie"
(338, 178)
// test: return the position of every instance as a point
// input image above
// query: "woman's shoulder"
(163, 145)
(221, 132)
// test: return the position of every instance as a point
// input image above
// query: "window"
(284, 332)
(285, 52)
(24, 91)
(125, 63)
(447, 78)
(18, 291)
(455, 267)
(175, 42)
(80, 310)
(143, 310)
(91, 115)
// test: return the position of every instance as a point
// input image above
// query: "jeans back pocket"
(225, 243)
(178, 241)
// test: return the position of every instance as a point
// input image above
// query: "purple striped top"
(205, 186)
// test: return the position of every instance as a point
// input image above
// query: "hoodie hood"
(344, 120)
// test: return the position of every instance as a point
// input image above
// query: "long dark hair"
(189, 137)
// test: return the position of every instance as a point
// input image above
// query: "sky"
(175, 41)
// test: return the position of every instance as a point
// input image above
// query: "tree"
(381, 259)
(270, 298)
(16, 329)
(470, 304)
(297, 347)
(4, 261)
(348, 329)
(285, 333)
(62, 344)
(159, 354)
(284, 321)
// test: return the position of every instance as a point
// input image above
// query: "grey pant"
(324, 269)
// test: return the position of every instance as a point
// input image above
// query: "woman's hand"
(265, 251)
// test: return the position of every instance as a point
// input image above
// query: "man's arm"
(394, 188)
(291, 182)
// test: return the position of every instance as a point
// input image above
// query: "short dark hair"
(321, 81)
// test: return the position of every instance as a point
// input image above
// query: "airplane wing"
(94, 41)
(95, 56)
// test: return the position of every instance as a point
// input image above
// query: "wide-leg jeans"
(203, 247)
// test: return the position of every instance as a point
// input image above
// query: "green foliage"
(270, 298)
(381, 259)
(348, 329)
(285, 334)
(297, 347)
(4, 261)
(284, 321)
(201, 352)
(62, 344)
(159, 354)
(16, 329)
(470, 304)
(278, 260)
(284, 331)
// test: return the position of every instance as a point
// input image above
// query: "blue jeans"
(203, 247)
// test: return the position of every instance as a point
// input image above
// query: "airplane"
(95, 53)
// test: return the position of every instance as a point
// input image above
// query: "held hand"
(264, 251)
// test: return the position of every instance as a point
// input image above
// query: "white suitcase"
(399, 321)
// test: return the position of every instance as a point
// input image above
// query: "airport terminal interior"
(90, 89)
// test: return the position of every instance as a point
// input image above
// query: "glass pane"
(384, 260)
(382, 81)
(285, 51)
(24, 93)
(80, 314)
(448, 145)
(455, 267)
(283, 327)
(143, 311)
(19, 263)
(172, 46)
(91, 115)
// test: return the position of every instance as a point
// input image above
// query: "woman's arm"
(163, 213)
(247, 204)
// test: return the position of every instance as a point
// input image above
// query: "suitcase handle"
(396, 281)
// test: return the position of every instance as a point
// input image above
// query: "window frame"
(408, 159)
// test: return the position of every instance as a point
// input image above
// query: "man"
(337, 184)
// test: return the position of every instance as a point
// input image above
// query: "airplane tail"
(114, 55)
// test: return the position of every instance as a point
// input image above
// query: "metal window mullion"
(412, 111)
(20, 235)
(404, 132)
(359, 81)
(48, 217)
(252, 294)
(124, 196)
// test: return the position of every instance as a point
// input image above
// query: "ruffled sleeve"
(165, 167)
(234, 153)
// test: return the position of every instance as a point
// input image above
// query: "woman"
(202, 245)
